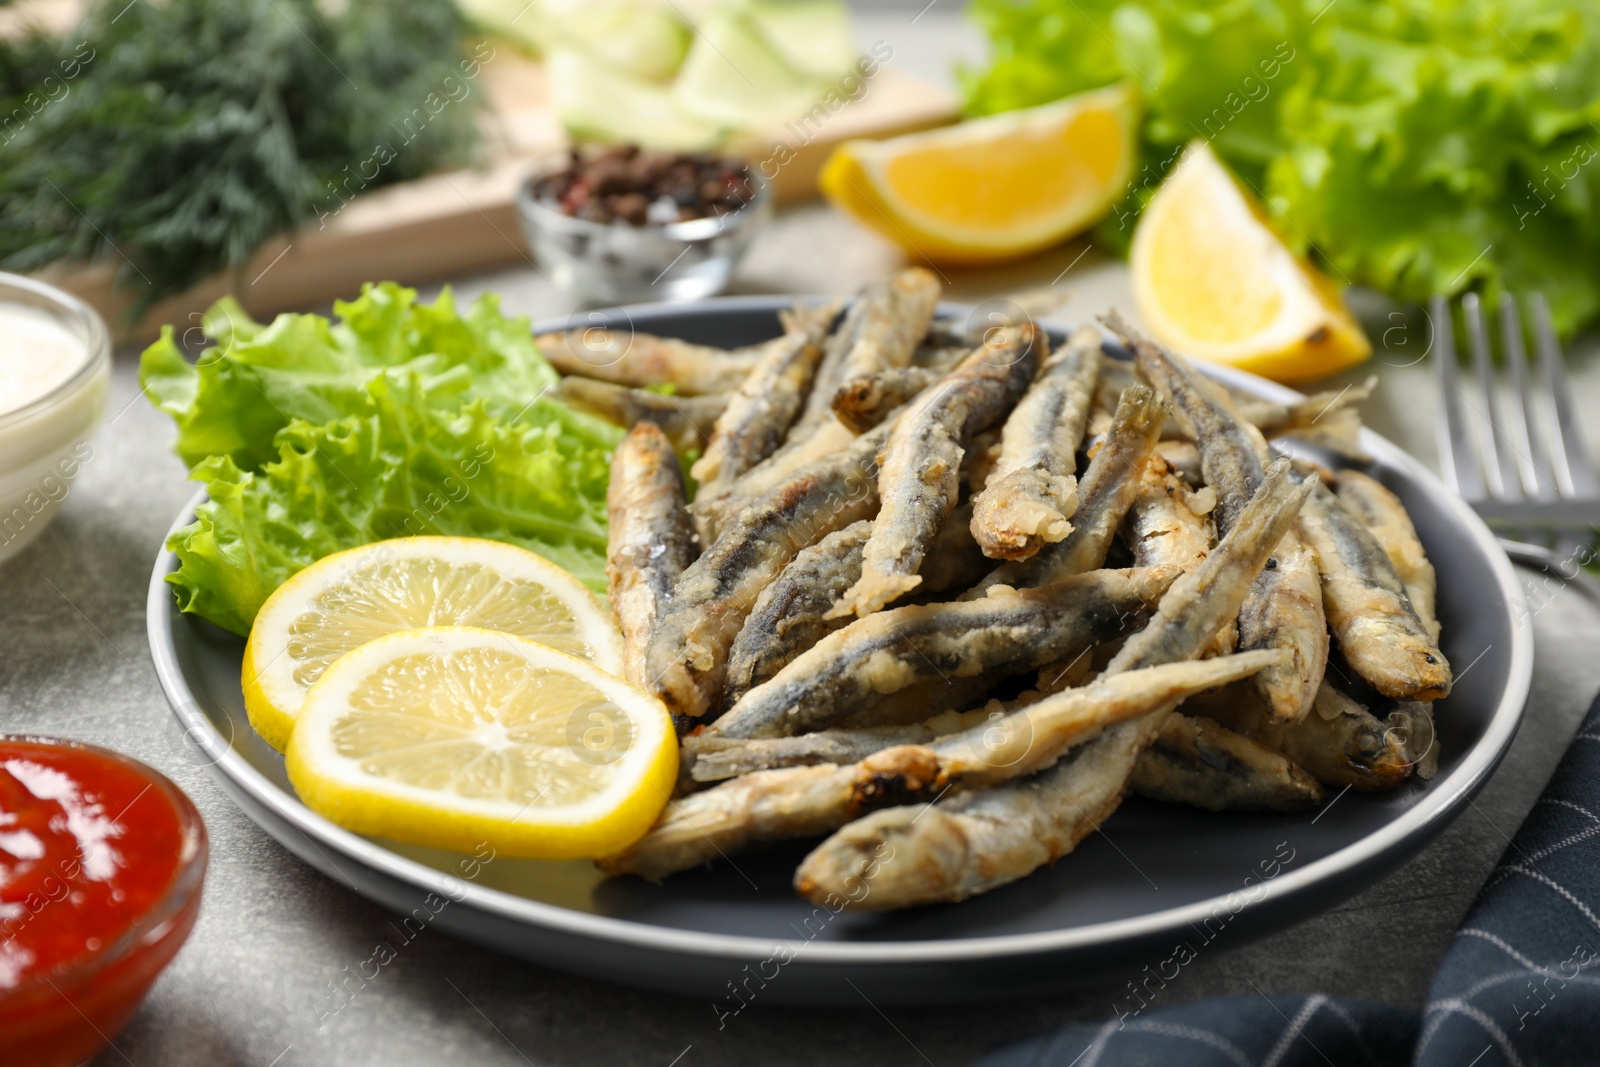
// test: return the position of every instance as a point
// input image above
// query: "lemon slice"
(1214, 281)
(345, 600)
(992, 188)
(453, 736)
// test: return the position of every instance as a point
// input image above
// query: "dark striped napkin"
(1519, 985)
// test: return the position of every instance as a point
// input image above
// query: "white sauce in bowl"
(55, 374)
(37, 356)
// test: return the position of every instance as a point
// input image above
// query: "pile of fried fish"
(898, 618)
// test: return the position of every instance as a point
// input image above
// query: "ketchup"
(101, 863)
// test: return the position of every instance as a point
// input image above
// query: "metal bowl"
(617, 262)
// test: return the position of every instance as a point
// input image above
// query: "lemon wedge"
(454, 736)
(345, 600)
(1214, 281)
(992, 188)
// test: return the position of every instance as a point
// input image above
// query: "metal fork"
(1528, 474)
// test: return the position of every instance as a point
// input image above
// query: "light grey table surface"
(273, 933)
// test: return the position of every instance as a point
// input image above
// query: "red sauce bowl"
(102, 860)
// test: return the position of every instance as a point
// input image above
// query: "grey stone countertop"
(273, 933)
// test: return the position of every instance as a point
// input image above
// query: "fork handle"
(1550, 562)
(1581, 514)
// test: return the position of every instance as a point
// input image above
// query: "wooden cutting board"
(456, 223)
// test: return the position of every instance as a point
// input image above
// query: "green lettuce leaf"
(255, 379)
(403, 468)
(400, 419)
(1417, 146)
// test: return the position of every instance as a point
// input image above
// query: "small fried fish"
(686, 420)
(1031, 493)
(650, 540)
(891, 650)
(640, 359)
(1198, 762)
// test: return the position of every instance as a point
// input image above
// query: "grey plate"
(1155, 876)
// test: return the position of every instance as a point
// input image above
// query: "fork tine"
(1569, 456)
(1499, 471)
(1522, 416)
(1457, 460)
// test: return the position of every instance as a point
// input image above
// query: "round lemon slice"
(1214, 281)
(993, 188)
(345, 600)
(454, 736)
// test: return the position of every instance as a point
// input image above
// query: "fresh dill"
(172, 138)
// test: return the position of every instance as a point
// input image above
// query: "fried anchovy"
(1162, 527)
(1380, 511)
(978, 841)
(954, 560)
(788, 616)
(1201, 763)
(1340, 743)
(882, 330)
(861, 403)
(1031, 493)
(650, 541)
(720, 758)
(941, 358)
(1370, 615)
(807, 801)
(1328, 420)
(769, 399)
(1283, 609)
(919, 478)
(1185, 460)
(1107, 490)
(915, 703)
(1230, 449)
(1201, 602)
(686, 420)
(688, 655)
(640, 359)
(791, 614)
(714, 509)
(890, 650)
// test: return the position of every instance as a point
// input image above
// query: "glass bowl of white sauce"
(55, 374)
